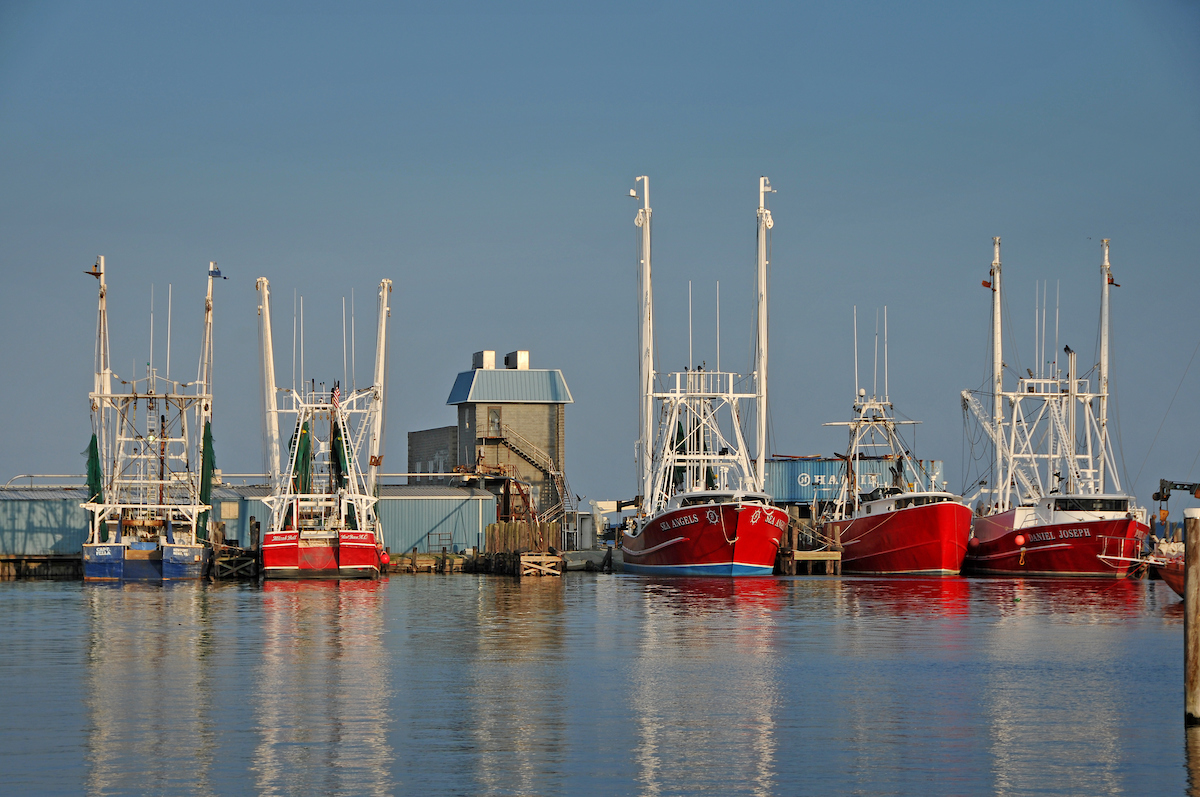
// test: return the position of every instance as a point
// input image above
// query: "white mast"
(102, 385)
(645, 345)
(379, 394)
(1106, 275)
(267, 353)
(206, 350)
(765, 223)
(998, 476)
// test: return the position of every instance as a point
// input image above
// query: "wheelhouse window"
(493, 420)
(1092, 504)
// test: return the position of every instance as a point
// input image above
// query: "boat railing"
(704, 383)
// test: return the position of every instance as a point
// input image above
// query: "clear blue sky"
(480, 156)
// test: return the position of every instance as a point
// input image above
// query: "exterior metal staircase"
(525, 448)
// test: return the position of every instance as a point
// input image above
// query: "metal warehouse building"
(36, 521)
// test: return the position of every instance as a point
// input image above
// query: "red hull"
(708, 539)
(1172, 572)
(352, 554)
(1082, 548)
(929, 540)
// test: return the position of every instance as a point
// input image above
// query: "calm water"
(593, 684)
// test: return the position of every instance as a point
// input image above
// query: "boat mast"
(765, 223)
(267, 354)
(102, 384)
(204, 380)
(645, 345)
(1106, 275)
(997, 378)
(379, 392)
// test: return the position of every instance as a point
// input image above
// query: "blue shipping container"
(801, 481)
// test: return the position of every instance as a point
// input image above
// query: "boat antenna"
(875, 372)
(718, 325)
(295, 305)
(344, 380)
(1045, 301)
(856, 353)
(689, 325)
(353, 369)
(1057, 294)
(302, 342)
(885, 356)
(1037, 309)
(150, 363)
(168, 331)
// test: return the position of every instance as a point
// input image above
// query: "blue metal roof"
(485, 385)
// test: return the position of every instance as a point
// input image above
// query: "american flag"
(337, 394)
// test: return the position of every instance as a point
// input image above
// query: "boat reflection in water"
(321, 692)
(149, 703)
(702, 690)
(519, 684)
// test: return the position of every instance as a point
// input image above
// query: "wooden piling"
(1191, 619)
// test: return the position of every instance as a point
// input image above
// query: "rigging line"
(1194, 461)
(1005, 312)
(1133, 486)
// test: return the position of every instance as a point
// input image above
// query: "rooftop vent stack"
(517, 360)
(483, 359)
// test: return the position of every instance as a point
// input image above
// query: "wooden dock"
(832, 561)
(427, 563)
(229, 563)
(67, 566)
(801, 543)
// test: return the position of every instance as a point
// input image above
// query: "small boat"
(907, 527)
(1172, 571)
(703, 509)
(1055, 505)
(150, 464)
(323, 522)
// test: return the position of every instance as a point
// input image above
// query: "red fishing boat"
(709, 533)
(1080, 535)
(703, 509)
(907, 526)
(899, 532)
(1054, 505)
(323, 521)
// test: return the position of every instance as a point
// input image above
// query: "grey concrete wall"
(433, 451)
(540, 424)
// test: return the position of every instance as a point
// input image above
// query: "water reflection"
(147, 696)
(702, 690)
(322, 690)
(1058, 683)
(519, 677)
(948, 596)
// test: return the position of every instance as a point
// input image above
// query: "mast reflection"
(1052, 683)
(518, 683)
(147, 696)
(703, 687)
(322, 689)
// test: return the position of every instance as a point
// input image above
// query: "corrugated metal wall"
(431, 523)
(803, 480)
(38, 526)
(34, 527)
